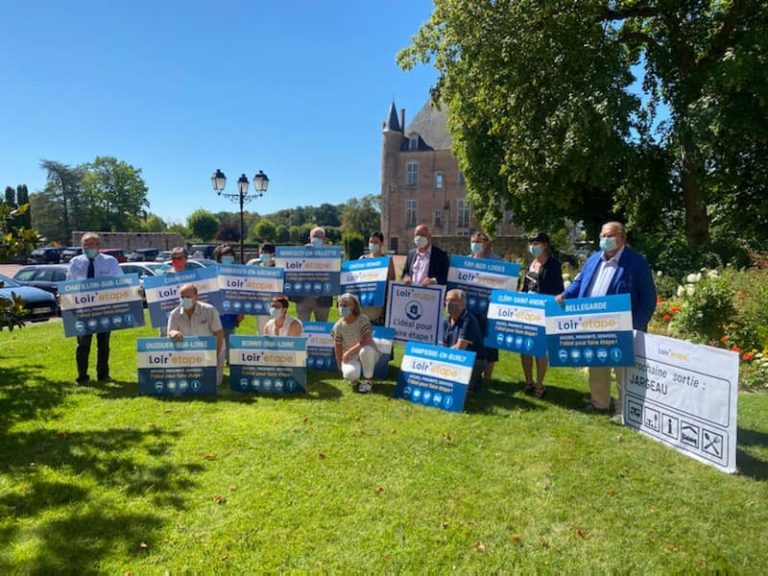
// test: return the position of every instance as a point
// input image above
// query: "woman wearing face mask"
(376, 250)
(280, 324)
(267, 254)
(480, 247)
(544, 276)
(224, 254)
(356, 353)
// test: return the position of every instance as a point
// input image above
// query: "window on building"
(413, 143)
(412, 174)
(463, 211)
(410, 213)
(439, 177)
(462, 182)
(438, 221)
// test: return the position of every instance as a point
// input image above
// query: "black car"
(47, 255)
(39, 304)
(68, 253)
(43, 276)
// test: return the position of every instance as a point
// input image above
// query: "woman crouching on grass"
(356, 351)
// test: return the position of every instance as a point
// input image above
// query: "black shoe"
(592, 409)
(83, 380)
(105, 379)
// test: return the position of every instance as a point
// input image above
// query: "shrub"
(706, 309)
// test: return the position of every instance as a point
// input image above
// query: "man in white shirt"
(193, 318)
(92, 264)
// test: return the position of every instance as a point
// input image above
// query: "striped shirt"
(349, 334)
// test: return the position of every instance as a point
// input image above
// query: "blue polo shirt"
(466, 328)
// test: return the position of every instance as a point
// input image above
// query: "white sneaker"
(365, 387)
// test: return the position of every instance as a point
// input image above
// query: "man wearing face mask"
(426, 264)
(92, 264)
(320, 305)
(224, 254)
(194, 318)
(614, 269)
(461, 330)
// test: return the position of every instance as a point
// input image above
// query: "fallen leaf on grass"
(444, 525)
(321, 455)
(516, 538)
(379, 490)
(144, 546)
(224, 558)
(168, 410)
(220, 499)
(480, 547)
(447, 438)
(210, 457)
(232, 487)
(581, 533)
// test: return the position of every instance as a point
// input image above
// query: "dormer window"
(413, 143)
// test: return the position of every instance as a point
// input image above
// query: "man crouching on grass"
(193, 318)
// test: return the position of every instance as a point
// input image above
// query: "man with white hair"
(320, 305)
(461, 330)
(614, 269)
(194, 318)
(92, 264)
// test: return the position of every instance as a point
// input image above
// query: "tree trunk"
(696, 219)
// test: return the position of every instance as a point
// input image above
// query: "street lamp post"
(260, 184)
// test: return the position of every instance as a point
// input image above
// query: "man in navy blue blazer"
(614, 269)
(426, 264)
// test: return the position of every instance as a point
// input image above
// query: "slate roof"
(431, 124)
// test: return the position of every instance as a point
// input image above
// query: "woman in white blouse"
(280, 324)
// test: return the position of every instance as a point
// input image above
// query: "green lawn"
(99, 480)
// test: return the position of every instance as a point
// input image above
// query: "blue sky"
(297, 89)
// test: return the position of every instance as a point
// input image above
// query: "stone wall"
(134, 240)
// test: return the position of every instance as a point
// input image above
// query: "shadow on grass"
(84, 517)
(317, 389)
(25, 395)
(748, 463)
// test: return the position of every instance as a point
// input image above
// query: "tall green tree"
(115, 193)
(203, 224)
(10, 196)
(361, 215)
(654, 110)
(22, 197)
(64, 189)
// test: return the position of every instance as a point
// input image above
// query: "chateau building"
(421, 182)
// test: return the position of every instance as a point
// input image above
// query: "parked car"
(39, 304)
(163, 255)
(144, 269)
(200, 251)
(143, 255)
(117, 253)
(46, 255)
(43, 276)
(68, 253)
(193, 263)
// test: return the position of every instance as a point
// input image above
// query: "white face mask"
(374, 248)
(91, 252)
(420, 241)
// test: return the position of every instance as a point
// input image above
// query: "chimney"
(402, 119)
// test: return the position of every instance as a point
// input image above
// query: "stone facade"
(134, 240)
(421, 182)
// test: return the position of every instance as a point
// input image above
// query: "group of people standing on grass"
(613, 269)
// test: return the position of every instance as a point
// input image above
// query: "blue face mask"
(476, 247)
(373, 248)
(265, 257)
(227, 259)
(535, 250)
(345, 311)
(317, 242)
(608, 244)
(91, 252)
(275, 312)
(187, 303)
